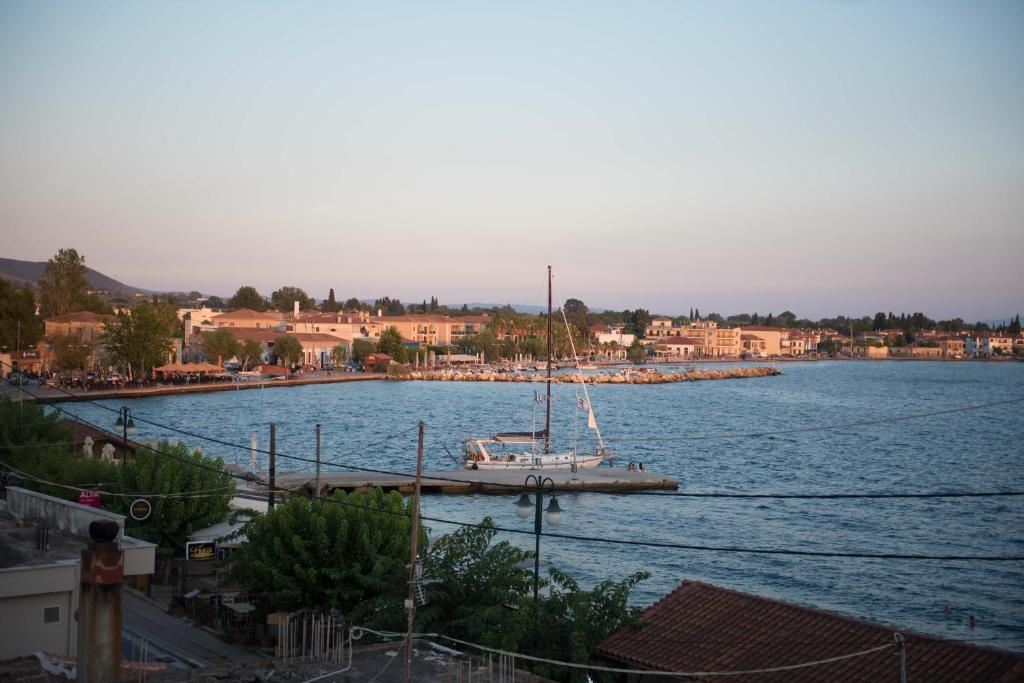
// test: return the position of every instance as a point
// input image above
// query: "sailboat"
(532, 450)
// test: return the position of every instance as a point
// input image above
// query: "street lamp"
(553, 515)
(127, 425)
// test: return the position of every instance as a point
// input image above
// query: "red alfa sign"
(90, 498)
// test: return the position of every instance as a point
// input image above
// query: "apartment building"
(715, 341)
(85, 325)
(661, 328)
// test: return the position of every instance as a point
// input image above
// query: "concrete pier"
(503, 481)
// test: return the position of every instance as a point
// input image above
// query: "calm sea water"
(680, 430)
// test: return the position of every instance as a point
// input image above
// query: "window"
(51, 615)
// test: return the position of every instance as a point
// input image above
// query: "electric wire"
(666, 494)
(612, 541)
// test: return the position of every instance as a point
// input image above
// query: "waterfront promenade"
(52, 395)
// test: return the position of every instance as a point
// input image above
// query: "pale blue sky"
(821, 156)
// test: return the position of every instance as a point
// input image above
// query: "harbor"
(494, 481)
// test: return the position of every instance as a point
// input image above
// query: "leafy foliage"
(248, 297)
(389, 306)
(477, 587)
(390, 342)
(349, 551)
(142, 339)
(173, 469)
(220, 345)
(571, 622)
(339, 354)
(284, 299)
(250, 353)
(361, 348)
(288, 350)
(33, 441)
(63, 284)
(17, 309)
(70, 351)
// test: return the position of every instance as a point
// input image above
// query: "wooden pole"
(273, 466)
(318, 461)
(411, 601)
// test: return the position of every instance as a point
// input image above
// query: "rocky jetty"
(628, 376)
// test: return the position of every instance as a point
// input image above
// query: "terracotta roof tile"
(701, 627)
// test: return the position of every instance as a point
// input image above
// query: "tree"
(174, 470)
(248, 297)
(571, 622)
(475, 582)
(636, 353)
(63, 284)
(220, 345)
(1014, 328)
(284, 299)
(18, 322)
(354, 304)
(390, 342)
(879, 321)
(361, 348)
(639, 320)
(347, 551)
(288, 350)
(250, 353)
(70, 351)
(389, 306)
(141, 339)
(339, 354)
(331, 304)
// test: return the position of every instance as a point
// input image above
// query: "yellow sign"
(200, 550)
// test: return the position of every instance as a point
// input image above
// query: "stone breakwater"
(624, 377)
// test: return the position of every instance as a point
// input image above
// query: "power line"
(665, 494)
(628, 542)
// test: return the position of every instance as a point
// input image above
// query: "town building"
(316, 346)
(771, 336)
(700, 627)
(676, 347)
(610, 334)
(660, 328)
(41, 542)
(715, 341)
(85, 325)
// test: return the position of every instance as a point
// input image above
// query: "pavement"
(176, 637)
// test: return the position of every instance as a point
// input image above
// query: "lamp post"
(127, 425)
(554, 516)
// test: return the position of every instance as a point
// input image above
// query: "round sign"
(140, 509)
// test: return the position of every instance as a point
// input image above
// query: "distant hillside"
(30, 272)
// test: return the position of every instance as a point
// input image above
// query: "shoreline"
(655, 377)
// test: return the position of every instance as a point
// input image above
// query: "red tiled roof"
(762, 328)
(248, 314)
(83, 317)
(750, 337)
(701, 627)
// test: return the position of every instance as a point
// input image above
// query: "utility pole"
(410, 603)
(273, 466)
(318, 460)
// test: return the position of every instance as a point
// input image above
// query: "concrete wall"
(58, 514)
(24, 593)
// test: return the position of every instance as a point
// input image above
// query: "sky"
(821, 156)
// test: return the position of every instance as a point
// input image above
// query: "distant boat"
(532, 450)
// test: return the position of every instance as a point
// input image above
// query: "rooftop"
(18, 546)
(701, 627)
(82, 317)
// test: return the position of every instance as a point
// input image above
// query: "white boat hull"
(529, 461)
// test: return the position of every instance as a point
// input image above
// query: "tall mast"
(547, 415)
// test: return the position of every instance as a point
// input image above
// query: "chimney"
(380, 313)
(99, 605)
(295, 310)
